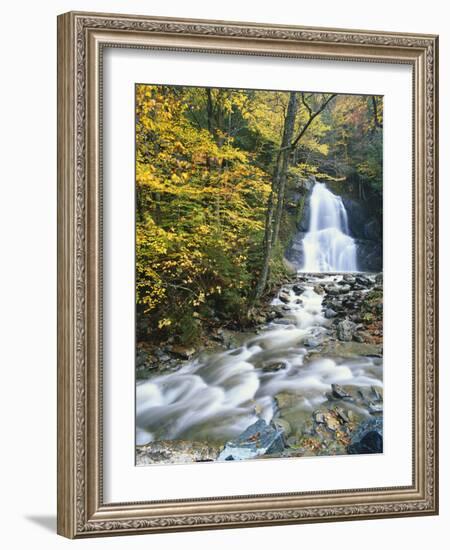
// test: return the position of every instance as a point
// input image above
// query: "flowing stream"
(328, 246)
(218, 395)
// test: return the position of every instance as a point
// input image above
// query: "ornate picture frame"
(82, 511)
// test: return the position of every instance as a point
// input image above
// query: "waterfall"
(328, 246)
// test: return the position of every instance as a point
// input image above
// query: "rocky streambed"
(306, 382)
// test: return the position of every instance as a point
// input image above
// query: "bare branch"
(308, 108)
(310, 120)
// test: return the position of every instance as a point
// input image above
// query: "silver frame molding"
(81, 38)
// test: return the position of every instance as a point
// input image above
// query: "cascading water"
(328, 246)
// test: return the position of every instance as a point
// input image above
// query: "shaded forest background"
(215, 169)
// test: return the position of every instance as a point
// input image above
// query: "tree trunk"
(286, 152)
(267, 243)
(278, 185)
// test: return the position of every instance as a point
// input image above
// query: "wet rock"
(286, 400)
(358, 287)
(176, 452)
(272, 315)
(347, 278)
(312, 341)
(379, 278)
(370, 443)
(183, 352)
(162, 355)
(362, 396)
(319, 289)
(351, 349)
(364, 337)
(368, 437)
(331, 422)
(274, 367)
(334, 289)
(289, 266)
(319, 417)
(375, 408)
(298, 289)
(376, 395)
(343, 289)
(345, 330)
(338, 392)
(355, 317)
(284, 297)
(342, 415)
(330, 313)
(141, 359)
(283, 425)
(257, 440)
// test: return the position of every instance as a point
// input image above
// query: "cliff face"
(367, 230)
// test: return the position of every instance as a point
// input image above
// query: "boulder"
(298, 289)
(370, 443)
(330, 313)
(319, 417)
(333, 289)
(257, 440)
(183, 352)
(364, 281)
(343, 289)
(338, 392)
(345, 330)
(313, 341)
(342, 415)
(282, 424)
(368, 438)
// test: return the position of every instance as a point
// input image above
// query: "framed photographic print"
(247, 288)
